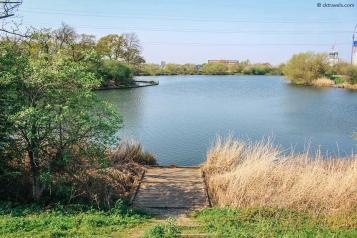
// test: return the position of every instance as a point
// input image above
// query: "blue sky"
(193, 31)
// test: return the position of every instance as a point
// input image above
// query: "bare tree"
(132, 49)
(8, 25)
(8, 8)
(64, 36)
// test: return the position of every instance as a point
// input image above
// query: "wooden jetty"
(171, 191)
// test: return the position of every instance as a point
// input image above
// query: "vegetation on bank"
(112, 59)
(244, 67)
(65, 221)
(314, 69)
(55, 133)
(248, 175)
(273, 222)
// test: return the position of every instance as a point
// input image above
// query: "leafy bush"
(352, 74)
(115, 72)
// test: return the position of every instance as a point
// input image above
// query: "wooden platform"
(171, 190)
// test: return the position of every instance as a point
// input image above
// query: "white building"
(333, 57)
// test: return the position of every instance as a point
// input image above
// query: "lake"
(179, 119)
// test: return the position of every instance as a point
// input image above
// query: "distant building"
(226, 62)
(354, 47)
(333, 57)
(162, 64)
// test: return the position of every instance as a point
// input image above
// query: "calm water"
(179, 119)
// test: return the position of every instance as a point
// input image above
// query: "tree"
(125, 48)
(8, 25)
(111, 47)
(52, 114)
(132, 50)
(172, 69)
(150, 69)
(64, 36)
(304, 68)
(188, 69)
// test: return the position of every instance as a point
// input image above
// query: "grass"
(245, 175)
(131, 150)
(269, 222)
(60, 221)
(168, 229)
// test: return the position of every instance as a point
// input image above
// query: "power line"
(161, 29)
(73, 13)
(241, 44)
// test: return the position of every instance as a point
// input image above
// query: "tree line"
(244, 67)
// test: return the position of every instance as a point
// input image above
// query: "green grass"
(169, 229)
(69, 221)
(82, 221)
(274, 223)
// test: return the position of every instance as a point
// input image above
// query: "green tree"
(304, 68)
(111, 47)
(215, 69)
(52, 114)
(150, 69)
(125, 48)
(188, 69)
(172, 69)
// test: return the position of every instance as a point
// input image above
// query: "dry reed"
(241, 174)
(347, 86)
(323, 82)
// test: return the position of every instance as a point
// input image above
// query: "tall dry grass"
(132, 151)
(323, 82)
(241, 174)
(347, 86)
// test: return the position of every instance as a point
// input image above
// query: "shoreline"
(135, 85)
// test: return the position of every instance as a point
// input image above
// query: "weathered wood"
(171, 188)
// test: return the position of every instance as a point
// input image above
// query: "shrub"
(352, 74)
(304, 68)
(112, 70)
